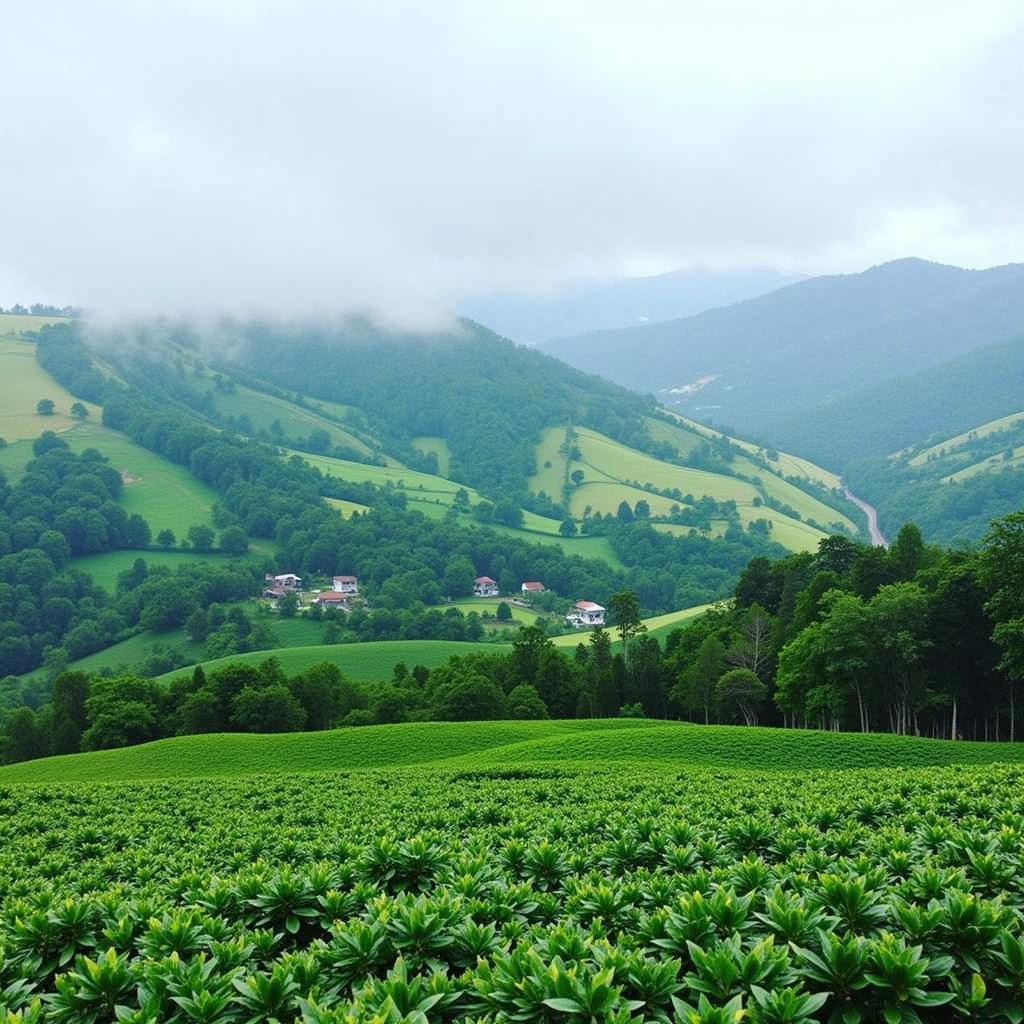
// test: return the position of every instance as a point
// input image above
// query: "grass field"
(106, 567)
(439, 447)
(16, 324)
(787, 464)
(605, 497)
(425, 484)
(346, 508)
(23, 382)
(549, 478)
(476, 746)
(993, 464)
(489, 606)
(297, 422)
(658, 626)
(950, 444)
(364, 662)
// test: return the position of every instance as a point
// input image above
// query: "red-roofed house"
(586, 613)
(330, 599)
(532, 587)
(484, 586)
(347, 585)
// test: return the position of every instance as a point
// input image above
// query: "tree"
(567, 528)
(624, 513)
(122, 711)
(45, 407)
(68, 697)
(1001, 569)
(200, 537)
(625, 608)
(740, 691)
(752, 648)
(197, 625)
(576, 476)
(23, 740)
(908, 552)
(503, 613)
(288, 605)
(234, 541)
(468, 697)
(166, 539)
(458, 577)
(272, 708)
(642, 509)
(524, 702)
(696, 687)
(605, 693)
(79, 411)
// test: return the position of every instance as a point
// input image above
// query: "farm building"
(533, 587)
(284, 581)
(586, 613)
(331, 599)
(347, 585)
(484, 586)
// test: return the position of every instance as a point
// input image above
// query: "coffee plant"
(533, 896)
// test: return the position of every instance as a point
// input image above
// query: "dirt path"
(877, 537)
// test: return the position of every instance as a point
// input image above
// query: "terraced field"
(947, 447)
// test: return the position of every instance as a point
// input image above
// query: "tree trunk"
(952, 731)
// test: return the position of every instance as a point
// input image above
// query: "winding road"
(877, 537)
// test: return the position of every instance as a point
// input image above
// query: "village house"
(484, 586)
(532, 587)
(586, 613)
(283, 581)
(347, 585)
(331, 599)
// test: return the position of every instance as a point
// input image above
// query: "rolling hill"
(508, 746)
(591, 304)
(758, 364)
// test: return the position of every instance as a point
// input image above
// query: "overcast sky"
(281, 156)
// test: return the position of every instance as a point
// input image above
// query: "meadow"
(949, 446)
(620, 872)
(23, 382)
(435, 446)
(296, 421)
(363, 662)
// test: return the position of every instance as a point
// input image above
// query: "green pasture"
(364, 662)
(296, 421)
(993, 464)
(415, 483)
(683, 440)
(947, 447)
(347, 508)
(104, 568)
(489, 746)
(605, 497)
(439, 447)
(489, 606)
(23, 382)
(21, 323)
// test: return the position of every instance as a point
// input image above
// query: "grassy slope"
(106, 567)
(23, 382)
(437, 445)
(364, 662)
(505, 745)
(489, 606)
(993, 464)
(297, 422)
(610, 470)
(947, 446)
(346, 508)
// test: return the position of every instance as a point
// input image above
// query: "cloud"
(289, 156)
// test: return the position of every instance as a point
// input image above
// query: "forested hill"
(757, 363)
(486, 396)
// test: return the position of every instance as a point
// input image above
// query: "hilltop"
(506, 746)
(757, 364)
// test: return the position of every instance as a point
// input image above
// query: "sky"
(393, 157)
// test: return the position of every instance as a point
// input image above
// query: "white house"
(484, 586)
(586, 613)
(347, 585)
(532, 587)
(284, 581)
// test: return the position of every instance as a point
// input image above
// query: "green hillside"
(364, 662)
(481, 746)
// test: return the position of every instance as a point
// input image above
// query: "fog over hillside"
(401, 158)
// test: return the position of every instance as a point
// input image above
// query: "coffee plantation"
(539, 894)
